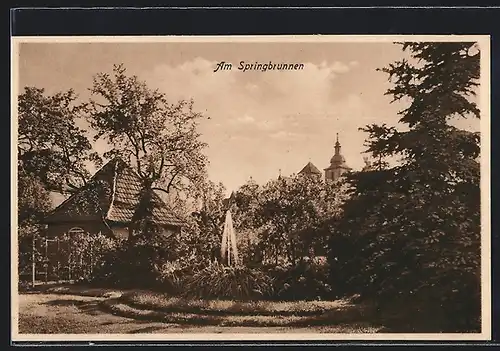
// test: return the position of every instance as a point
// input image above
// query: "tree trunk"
(276, 253)
(33, 261)
(292, 251)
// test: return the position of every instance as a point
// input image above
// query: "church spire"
(337, 146)
(337, 164)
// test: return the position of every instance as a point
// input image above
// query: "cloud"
(288, 116)
(339, 67)
(259, 101)
(285, 135)
(245, 119)
(252, 88)
(266, 95)
(191, 79)
(270, 124)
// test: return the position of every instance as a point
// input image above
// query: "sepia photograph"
(251, 188)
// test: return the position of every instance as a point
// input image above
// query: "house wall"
(328, 175)
(167, 231)
(334, 173)
(171, 230)
(120, 232)
(58, 229)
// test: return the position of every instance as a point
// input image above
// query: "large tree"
(52, 149)
(205, 234)
(414, 229)
(295, 213)
(159, 139)
(53, 153)
(33, 200)
(246, 204)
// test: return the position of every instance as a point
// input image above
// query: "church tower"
(337, 164)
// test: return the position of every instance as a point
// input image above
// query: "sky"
(260, 123)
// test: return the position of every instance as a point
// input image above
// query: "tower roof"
(310, 168)
(337, 161)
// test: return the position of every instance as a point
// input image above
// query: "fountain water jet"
(229, 248)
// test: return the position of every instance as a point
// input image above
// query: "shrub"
(137, 262)
(173, 275)
(234, 282)
(24, 286)
(129, 266)
(88, 251)
(307, 280)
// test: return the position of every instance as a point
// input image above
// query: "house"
(106, 204)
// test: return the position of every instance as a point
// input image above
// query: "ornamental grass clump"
(217, 281)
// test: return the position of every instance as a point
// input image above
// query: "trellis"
(54, 259)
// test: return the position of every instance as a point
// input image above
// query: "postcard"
(207, 188)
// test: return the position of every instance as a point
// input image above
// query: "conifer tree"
(414, 228)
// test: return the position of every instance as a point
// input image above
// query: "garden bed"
(119, 308)
(164, 303)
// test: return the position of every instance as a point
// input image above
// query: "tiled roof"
(90, 202)
(118, 190)
(310, 169)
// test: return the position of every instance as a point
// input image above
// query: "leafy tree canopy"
(295, 213)
(33, 199)
(52, 148)
(158, 138)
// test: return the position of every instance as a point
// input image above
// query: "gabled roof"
(112, 194)
(309, 168)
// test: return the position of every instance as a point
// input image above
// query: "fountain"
(229, 248)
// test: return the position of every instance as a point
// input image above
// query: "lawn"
(165, 303)
(80, 309)
(80, 290)
(52, 308)
(55, 313)
(163, 308)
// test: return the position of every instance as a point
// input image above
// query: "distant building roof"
(112, 194)
(338, 161)
(310, 168)
(228, 201)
